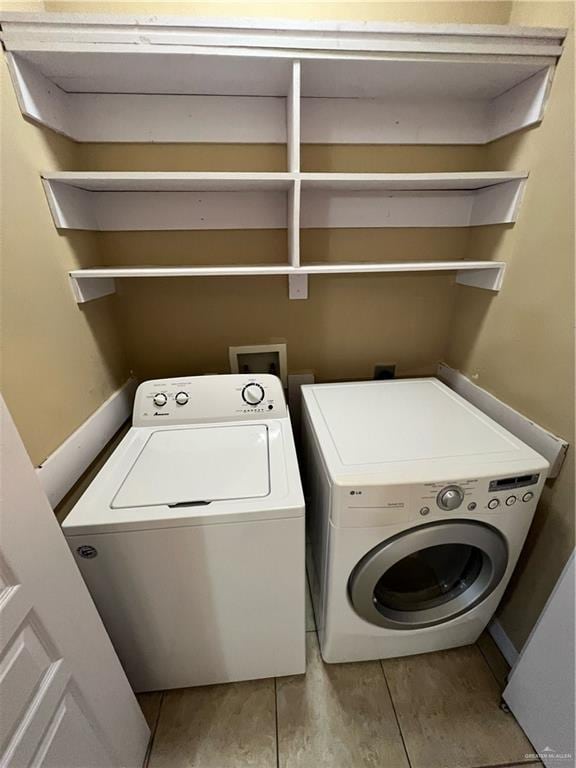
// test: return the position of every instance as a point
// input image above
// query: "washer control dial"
(181, 398)
(450, 498)
(160, 399)
(253, 394)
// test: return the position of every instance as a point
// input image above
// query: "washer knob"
(450, 498)
(160, 399)
(181, 398)
(253, 394)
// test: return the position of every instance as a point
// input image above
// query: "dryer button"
(510, 500)
(528, 496)
(493, 503)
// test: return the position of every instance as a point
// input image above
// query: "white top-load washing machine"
(418, 505)
(191, 538)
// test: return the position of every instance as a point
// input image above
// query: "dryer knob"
(450, 498)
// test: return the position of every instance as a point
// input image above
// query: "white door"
(65, 701)
(540, 690)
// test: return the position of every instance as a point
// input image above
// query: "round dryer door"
(428, 575)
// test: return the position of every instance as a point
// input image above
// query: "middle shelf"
(88, 284)
(116, 201)
(121, 201)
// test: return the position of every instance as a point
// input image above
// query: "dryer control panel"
(377, 505)
(478, 494)
(197, 399)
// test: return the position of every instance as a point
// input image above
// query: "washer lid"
(181, 467)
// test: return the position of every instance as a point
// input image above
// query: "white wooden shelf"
(197, 200)
(378, 200)
(113, 78)
(126, 79)
(89, 284)
(187, 200)
(192, 200)
(172, 181)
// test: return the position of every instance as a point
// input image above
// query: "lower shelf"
(89, 284)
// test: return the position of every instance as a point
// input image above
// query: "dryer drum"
(428, 575)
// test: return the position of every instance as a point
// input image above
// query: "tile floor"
(437, 710)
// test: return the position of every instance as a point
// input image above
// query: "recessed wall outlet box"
(385, 371)
(261, 358)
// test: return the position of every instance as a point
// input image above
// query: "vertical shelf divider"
(294, 223)
(293, 119)
(297, 282)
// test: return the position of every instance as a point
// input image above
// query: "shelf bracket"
(298, 286)
(86, 289)
(490, 279)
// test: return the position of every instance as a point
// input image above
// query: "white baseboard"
(64, 467)
(551, 447)
(506, 646)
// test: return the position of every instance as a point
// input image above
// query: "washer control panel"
(197, 399)
(253, 393)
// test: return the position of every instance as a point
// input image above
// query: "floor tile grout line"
(508, 765)
(154, 729)
(276, 717)
(395, 713)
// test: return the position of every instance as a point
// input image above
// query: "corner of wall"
(60, 361)
(519, 344)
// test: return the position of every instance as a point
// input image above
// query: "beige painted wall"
(520, 344)
(77, 353)
(349, 324)
(59, 362)
(464, 11)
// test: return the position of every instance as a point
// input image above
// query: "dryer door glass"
(428, 575)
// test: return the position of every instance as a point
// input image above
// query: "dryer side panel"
(319, 494)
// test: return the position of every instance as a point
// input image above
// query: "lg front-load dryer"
(191, 538)
(418, 506)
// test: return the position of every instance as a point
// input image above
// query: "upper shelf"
(104, 78)
(199, 200)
